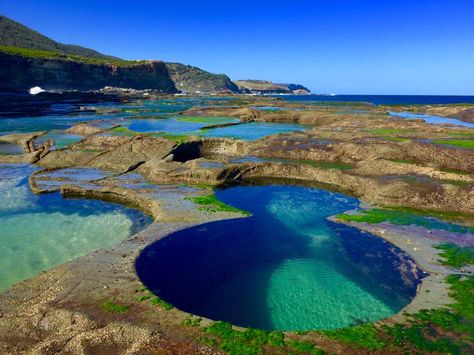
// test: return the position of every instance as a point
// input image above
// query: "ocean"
(384, 99)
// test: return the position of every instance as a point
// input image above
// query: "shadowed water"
(285, 267)
(38, 232)
(50, 122)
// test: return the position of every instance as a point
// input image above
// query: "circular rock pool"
(285, 267)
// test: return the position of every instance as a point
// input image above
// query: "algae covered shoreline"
(383, 161)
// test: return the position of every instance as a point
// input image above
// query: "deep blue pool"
(285, 267)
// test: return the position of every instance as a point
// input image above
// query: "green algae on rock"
(111, 306)
(459, 143)
(438, 330)
(210, 203)
(207, 120)
(403, 217)
(455, 255)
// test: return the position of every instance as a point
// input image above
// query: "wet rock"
(134, 152)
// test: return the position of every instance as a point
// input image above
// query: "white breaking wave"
(35, 90)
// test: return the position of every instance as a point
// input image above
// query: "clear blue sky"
(352, 47)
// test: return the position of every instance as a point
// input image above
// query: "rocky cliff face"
(195, 80)
(21, 73)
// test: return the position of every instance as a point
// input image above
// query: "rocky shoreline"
(385, 162)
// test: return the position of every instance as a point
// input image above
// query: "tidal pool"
(245, 131)
(49, 122)
(158, 116)
(10, 149)
(253, 130)
(432, 119)
(285, 267)
(177, 125)
(38, 232)
(61, 139)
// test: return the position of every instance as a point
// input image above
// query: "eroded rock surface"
(382, 160)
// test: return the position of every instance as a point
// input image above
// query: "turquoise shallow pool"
(38, 232)
(431, 119)
(246, 131)
(253, 130)
(61, 140)
(175, 125)
(154, 116)
(285, 267)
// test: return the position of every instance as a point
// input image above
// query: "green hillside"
(14, 34)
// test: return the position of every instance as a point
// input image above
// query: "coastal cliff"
(20, 72)
(28, 58)
(195, 80)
